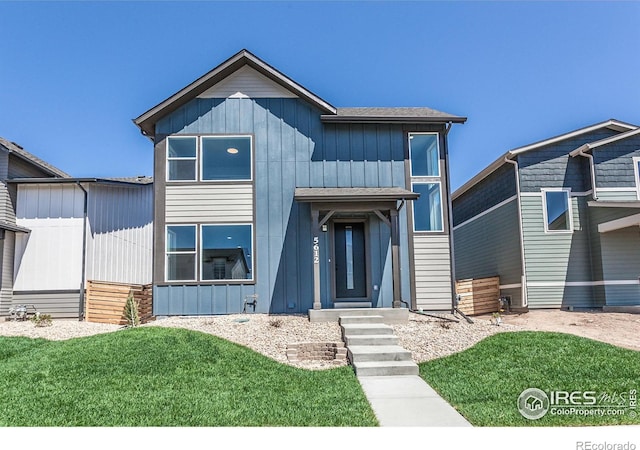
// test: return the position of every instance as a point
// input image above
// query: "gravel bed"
(426, 337)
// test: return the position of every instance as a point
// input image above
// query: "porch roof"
(346, 195)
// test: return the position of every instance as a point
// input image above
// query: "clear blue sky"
(74, 74)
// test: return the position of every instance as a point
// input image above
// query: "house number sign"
(316, 250)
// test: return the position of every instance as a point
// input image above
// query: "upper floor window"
(427, 210)
(557, 210)
(181, 158)
(424, 154)
(636, 170)
(209, 158)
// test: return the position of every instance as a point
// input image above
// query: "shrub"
(132, 312)
(42, 320)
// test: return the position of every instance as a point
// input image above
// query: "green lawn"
(484, 382)
(154, 376)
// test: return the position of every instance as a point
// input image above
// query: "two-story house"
(264, 191)
(557, 220)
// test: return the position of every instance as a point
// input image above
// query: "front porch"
(389, 315)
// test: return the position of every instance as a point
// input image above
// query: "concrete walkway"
(408, 401)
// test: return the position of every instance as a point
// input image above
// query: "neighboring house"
(80, 229)
(15, 162)
(263, 188)
(557, 221)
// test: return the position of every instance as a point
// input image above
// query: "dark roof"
(147, 121)
(400, 114)
(353, 194)
(17, 150)
(141, 180)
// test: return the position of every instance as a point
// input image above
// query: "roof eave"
(495, 165)
(391, 119)
(71, 181)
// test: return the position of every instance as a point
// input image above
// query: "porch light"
(232, 151)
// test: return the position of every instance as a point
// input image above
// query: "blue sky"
(74, 74)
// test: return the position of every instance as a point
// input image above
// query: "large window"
(636, 170)
(424, 155)
(557, 210)
(181, 253)
(427, 210)
(209, 158)
(224, 252)
(181, 158)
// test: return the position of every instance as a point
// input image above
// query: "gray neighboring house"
(323, 207)
(57, 232)
(558, 220)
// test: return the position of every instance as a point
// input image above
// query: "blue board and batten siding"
(292, 148)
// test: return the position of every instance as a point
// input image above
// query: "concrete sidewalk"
(407, 400)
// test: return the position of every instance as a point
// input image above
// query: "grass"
(155, 376)
(483, 383)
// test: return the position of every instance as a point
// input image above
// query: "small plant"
(497, 317)
(41, 320)
(445, 325)
(275, 323)
(132, 312)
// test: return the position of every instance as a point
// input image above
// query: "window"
(226, 252)
(557, 210)
(636, 171)
(181, 158)
(226, 158)
(424, 155)
(181, 253)
(427, 210)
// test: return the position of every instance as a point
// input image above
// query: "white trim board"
(483, 213)
(618, 224)
(504, 287)
(582, 283)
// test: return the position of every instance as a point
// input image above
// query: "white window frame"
(544, 210)
(168, 158)
(253, 264)
(167, 252)
(409, 136)
(224, 136)
(636, 173)
(413, 210)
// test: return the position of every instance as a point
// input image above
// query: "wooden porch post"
(395, 258)
(315, 215)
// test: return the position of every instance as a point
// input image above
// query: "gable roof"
(146, 122)
(612, 124)
(21, 153)
(593, 145)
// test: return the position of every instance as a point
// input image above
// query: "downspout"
(522, 258)
(84, 253)
(452, 263)
(592, 168)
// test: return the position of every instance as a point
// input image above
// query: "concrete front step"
(391, 315)
(346, 320)
(351, 305)
(363, 353)
(371, 339)
(380, 368)
(359, 329)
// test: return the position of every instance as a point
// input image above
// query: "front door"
(350, 260)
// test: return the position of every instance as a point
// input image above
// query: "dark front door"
(350, 263)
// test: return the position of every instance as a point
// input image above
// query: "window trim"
(636, 172)
(167, 252)
(413, 209)
(234, 280)
(544, 210)
(437, 135)
(223, 136)
(168, 158)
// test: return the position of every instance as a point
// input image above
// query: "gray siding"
(19, 168)
(490, 246)
(432, 272)
(6, 276)
(496, 188)
(292, 149)
(60, 304)
(209, 203)
(551, 166)
(614, 164)
(554, 259)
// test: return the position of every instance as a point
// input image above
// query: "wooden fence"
(479, 295)
(105, 301)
